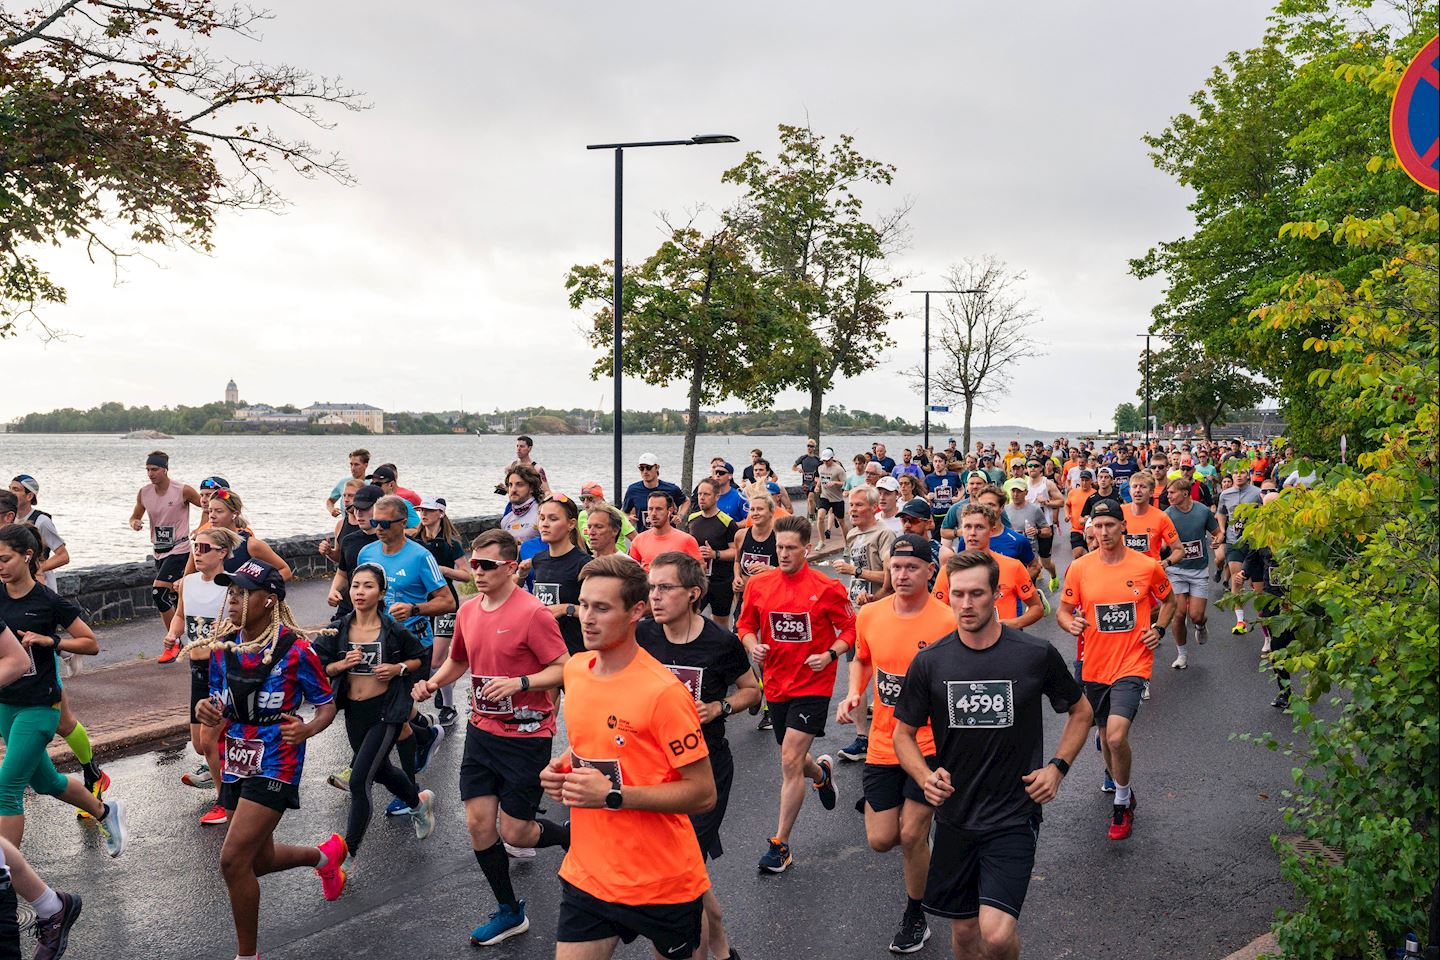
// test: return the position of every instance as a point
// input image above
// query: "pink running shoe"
(332, 876)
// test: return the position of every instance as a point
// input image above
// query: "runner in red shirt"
(795, 624)
(661, 537)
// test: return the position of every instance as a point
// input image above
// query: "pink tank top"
(169, 518)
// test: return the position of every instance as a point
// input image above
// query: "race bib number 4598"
(981, 703)
(789, 627)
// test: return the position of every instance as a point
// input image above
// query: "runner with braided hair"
(262, 668)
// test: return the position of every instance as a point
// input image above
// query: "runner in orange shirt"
(888, 634)
(795, 624)
(1075, 512)
(1107, 602)
(661, 536)
(636, 768)
(1147, 526)
(1017, 602)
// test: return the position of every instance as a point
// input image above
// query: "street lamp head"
(705, 138)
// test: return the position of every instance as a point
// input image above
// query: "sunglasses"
(383, 524)
(203, 548)
(488, 565)
(560, 498)
(208, 484)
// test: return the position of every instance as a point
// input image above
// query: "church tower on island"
(232, 393)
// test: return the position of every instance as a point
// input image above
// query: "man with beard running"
(795, 624)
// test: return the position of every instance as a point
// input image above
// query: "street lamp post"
(1147, 386)
(619, 148)
(927, 353)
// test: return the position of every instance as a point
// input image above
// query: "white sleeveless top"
(203, 602)
(1039, 493)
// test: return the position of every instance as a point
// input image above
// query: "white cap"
(888, 483)
(431, 503)
(827, 454)
(648, 460)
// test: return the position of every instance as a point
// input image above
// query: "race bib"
(1138, 541)
(747, 559)
(690, 676)
(980, 703)
(789, 627)
(369, 658)
(611, 768)
(943, 496)
(443, 625)
(1115, 617)
(480, 704)
(547, 593)
(243, 757)
(858, 584)
(1191, 550)
(887, 688)
(164, 537)
(807, 479)
(197, 628)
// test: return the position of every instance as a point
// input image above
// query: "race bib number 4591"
(981, 703)
(789, 627)
(1115, 617)
(888, 687)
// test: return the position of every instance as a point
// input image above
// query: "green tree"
(119, 129)
(1189, 387)
(1128, 419)
(696, 311)
(826, 262)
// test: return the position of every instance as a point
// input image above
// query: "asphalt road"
(1198, 879)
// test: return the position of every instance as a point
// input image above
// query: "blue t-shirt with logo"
(411, 575)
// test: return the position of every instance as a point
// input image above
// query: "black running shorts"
(275, 794)
(1121, 698)
(1077, 540)
(707, 824)
(806, 714)
(968, 869)
(1046, 542)
(721, 597)
(199, 685)
(886, 785)
(504, 767)
(674, 928)
(170, 569)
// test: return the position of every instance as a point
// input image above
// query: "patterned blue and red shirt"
(250, 742)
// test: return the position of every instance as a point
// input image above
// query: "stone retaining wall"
(121, 591)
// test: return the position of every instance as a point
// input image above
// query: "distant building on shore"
(232, 393)
(264, 413)
(334, 414)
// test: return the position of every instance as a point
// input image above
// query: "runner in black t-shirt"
(715, 532)
(359, 513)
(554, 577)
(808, 464)
(980, 689)
(709, 660)
(438, 535)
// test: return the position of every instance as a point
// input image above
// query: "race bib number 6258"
(789, 627)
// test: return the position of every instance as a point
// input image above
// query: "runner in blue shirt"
(415, 588)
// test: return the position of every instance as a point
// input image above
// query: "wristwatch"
(569, 609)
(725, 708)
(833, 655)
(525, 681)
(1160, 629)
(614, 799)
(1060, 765)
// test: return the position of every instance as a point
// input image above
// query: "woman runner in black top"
(555, 571)
(709, 660)
(439, 536)
(225, 512)
(373, 662)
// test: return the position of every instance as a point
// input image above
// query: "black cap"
(383, 473)
(913, 545)
(366, 496)
(1106, 507)
(916, 508)
(254, 575)
(1086, 475)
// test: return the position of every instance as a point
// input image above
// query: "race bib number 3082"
(789, 627)
(981, 703)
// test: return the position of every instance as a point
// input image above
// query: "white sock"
(1122, 795)
(248, 956)
(47, 905)
(324, 862)
(1239, 614)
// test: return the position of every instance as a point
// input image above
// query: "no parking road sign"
(1415, 118)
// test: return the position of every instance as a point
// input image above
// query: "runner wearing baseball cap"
(637, 495)
(888, 634)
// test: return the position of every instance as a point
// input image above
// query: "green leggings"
(27, 732)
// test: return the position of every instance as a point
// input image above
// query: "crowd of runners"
(644, 629)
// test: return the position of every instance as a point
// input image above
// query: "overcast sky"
(1015, 127)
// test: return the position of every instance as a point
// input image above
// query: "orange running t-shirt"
(890, 641)
(649, 545)
(1016, 587)
(1116, 600)
(1075, 507)
(638, 727)
(1145, 534)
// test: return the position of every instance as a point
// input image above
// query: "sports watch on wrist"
(569, 609)
(725, 708)
(1060, 765)
(614, 799)
(833, 655)
(1159, 629)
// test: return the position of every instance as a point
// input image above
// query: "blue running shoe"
(397, 808)
(1108, 786)
(424, 753)
(856, 751)
(826, 788)
(503, 924)
(776, 858)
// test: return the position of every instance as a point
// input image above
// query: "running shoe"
(1240, 628)
(112, 826)
(97, 785)
(503, 924)
(332, 875)
(423, 754)
(168, 655)
(856, 751)
(397, 808)
(1265, 647)
(448, 716)
(1054, 584)
(52, 935)
(765, 722)
(1044, 603)
(1145, 691)
(777, 858)
(1107, 785)
(423, 817)
(1202, 633)
(340, 780)
(1122, 820)
(519, 853)
(1181, 661)
(215, 816)
(826, 788)
(911, 936)
(757, 706)
(1282, 701)
(199, 777)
